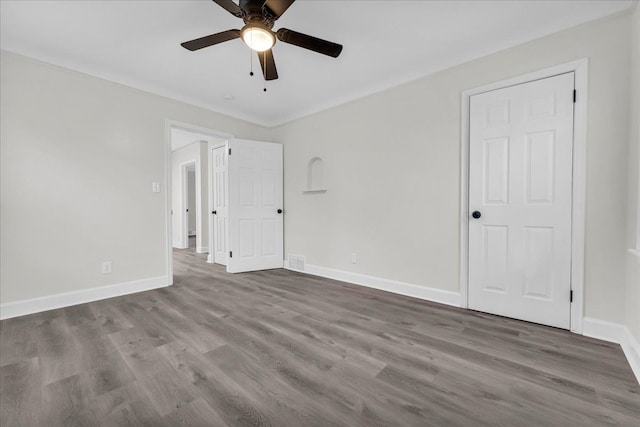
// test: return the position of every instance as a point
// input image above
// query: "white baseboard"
(616, 333)
(408, 289)
(202, 249)
(51, 302)
(178, 245)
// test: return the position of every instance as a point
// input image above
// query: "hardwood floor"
(285, 349)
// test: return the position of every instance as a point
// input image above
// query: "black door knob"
(279, 210)
(214, 212)
(476, 214)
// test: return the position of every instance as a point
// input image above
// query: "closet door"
(255, 206)
(520, 180)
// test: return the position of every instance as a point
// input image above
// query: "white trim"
(616, 333)
(580, 68)
(168, 189)
(635, 252)
(197, 129)
(408, 289)
(603, 330)
(178, 245)
(578, 214)
(66, 299)
(198, 194)
(202, 249)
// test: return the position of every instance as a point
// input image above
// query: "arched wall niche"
(315, 176)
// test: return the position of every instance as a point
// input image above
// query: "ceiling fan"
(259, 17)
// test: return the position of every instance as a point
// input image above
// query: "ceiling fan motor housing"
(256, 12)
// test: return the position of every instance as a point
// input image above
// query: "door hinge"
(230, 254)
(229, 150)
(575, 95)
(571, 295)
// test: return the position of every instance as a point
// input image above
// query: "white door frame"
(212, 146)
(580, 68)
(168, 125)
(184, 166)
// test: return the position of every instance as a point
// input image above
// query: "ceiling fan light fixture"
(258, 38)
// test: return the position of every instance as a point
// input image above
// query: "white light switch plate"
(155, 187)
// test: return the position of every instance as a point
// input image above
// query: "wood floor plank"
(66, 402)
(279, 405)
(135, 312)
(19, 339)
(57, 350)
(20, 393)
(166, 391)
(195, 413)
(100, 359)
(276, 347)
(126, 406)
(220, 392)
(189, 332)
(108, 319)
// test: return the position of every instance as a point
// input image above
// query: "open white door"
(220, 205)
(520, 180)
(255, 206)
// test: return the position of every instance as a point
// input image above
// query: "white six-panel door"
(520, 180)
(220, 206)
(255, 206)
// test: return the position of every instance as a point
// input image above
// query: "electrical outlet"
(354, 258)
(106, 267)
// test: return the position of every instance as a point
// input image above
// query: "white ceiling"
(386, 43)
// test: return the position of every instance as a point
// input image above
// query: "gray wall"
(392, 169)
(78, 156)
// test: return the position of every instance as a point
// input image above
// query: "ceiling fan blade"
(230, 7)
(270, 72)
(309, 42)
(278, 7)
(210, 40)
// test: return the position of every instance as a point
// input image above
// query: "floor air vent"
(296, 262)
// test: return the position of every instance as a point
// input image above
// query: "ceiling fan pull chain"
(265, 70)
(251, 56)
